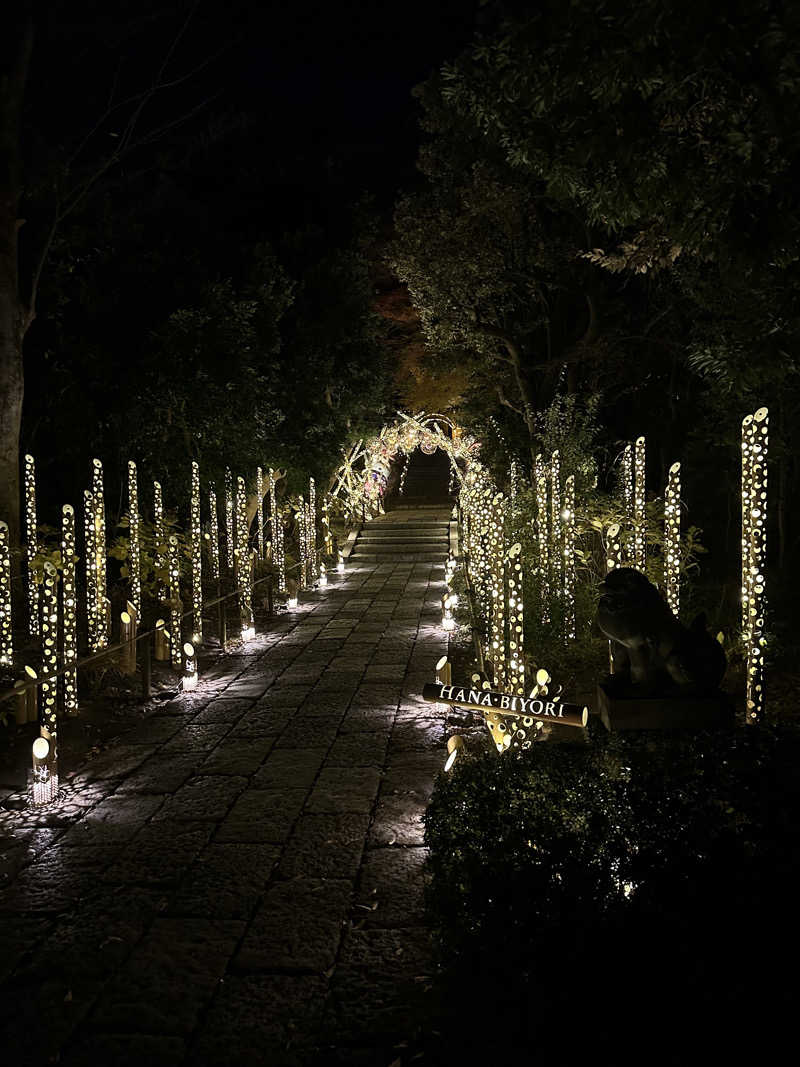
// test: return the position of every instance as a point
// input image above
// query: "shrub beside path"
(240, 878)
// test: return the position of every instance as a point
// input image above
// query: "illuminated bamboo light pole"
(326, 527)
(48, 706)
(244, 580)
(497, 635)
(103, 606)
(543, 537)
(160, 550)
(175, 603)
(69, 612)
(556, 546)
(516, 621)
(89, 531)
(614, 559)
(31, 545)
(639, 523)
(213, 531)
(627, 482)
(513, 480)
(276, 522)
(197, 558)
(568, 515)
(229, 517)
(260, 498)
(312, 524)
(755, 441)
(6, 630)
(300, 518)
(672, 539)
(134, 552)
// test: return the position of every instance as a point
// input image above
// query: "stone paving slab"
(239, 878)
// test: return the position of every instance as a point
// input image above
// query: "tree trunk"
(13, 315)
(525, 394)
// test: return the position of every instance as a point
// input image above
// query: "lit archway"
(360, 482)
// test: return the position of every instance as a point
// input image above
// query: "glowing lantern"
(189, 667)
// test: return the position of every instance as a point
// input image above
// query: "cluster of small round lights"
(639, 522)
(190, 675)
(244, 578)
(302, 541)
(672, 539)
(98, 496)
(174, 602)
(230, 539)
(89, 531)
(516, 617)
(311, 525)
(134, 552)
(542, 537)
(69, 611)
(213, 531)
(513, 482)
(556, 556)
(326, 527)
(614, 557)
(497, 554)
(49, 684)
(45, 771)
(6, 629)
(260, 511)
(31, 545)
(160, 548)
(755, 441)
(197, 557)
(276, 523)
(455, 747)
(568, 516)
(626, 478)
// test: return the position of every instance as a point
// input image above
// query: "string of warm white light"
(197, 557)
(174, 603)
(497, 556)
(98, 496)
(639, 523)
(213, 524)
(260, 511)
(311, 525)
(229, 518)
(134, 550)
(672, 539)
(48, 689)
(568, 515)
(69, 611)
(6, 628)
(755, 441)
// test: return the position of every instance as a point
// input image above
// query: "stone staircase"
(399, 537)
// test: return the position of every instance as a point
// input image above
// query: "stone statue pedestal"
(664, 713)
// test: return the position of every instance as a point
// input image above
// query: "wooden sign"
(486, 700)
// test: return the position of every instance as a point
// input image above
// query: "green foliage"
(576, 867)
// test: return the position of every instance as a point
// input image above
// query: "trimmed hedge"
(620, 879)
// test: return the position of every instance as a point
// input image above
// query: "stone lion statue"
(651, 650)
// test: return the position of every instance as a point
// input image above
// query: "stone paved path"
(240, 878)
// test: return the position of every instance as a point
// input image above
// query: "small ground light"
(45, 782)
(448, 622)
(323, 576)
(340, 564)
(248, 633)
(454, 746)
(443, 671)
(189, 667)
